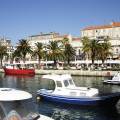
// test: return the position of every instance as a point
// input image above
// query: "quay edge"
(78, 72)
(74, 72)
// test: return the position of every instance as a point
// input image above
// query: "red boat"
(19, 69)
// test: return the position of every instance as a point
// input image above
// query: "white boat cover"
(10, 94)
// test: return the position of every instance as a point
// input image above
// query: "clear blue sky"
(22, 18)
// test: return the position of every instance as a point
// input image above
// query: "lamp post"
(46, 56)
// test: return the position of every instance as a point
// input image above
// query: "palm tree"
(65, 41)
(3, 52)
(39, 51)
(104, 50)
(55, 52)
(94, 49)
(86, 47)
(69, 53)
(15, 55)
(23, 48)
(90, 48)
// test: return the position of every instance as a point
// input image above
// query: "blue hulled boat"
(67, 92)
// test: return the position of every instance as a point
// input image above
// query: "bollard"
(108, 73)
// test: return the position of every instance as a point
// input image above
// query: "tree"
(69, 52)
(39, 52)
(94, 49)
(104, 50)
(90, 48)
(65, 41)
(55, 52)
(86, 47)
(3, 52)
(23, 48)
(16, 55)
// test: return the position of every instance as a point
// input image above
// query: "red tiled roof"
(113, 24)
(61, 36)
(76, 39)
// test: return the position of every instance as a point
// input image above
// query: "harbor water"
(61, 111)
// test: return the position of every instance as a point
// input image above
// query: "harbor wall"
(77, 72)
(74, 72)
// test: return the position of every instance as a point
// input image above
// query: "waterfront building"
(77, 45)
(111, 30)
(45, 38)
(7, 42)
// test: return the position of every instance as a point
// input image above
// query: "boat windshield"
(59, 84)
(66, 83)
(71, 82)
(18, 110)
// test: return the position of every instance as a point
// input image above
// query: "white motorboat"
(9, 95)
(114, 80)
(67, 92)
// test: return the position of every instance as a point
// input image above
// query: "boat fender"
(38, 98)
(88, 88)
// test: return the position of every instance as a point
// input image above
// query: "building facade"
(45, 38)
(7, 42)
(111, 30)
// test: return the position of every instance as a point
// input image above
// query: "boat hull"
(108, 100)
(111, 82)
(19, 71)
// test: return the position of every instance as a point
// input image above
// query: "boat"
(10, 95)
(114, 80)
(67, 92)
(18, 69)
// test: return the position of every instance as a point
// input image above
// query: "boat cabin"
(61, 81)
(64, 85)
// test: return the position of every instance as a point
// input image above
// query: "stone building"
(45, 38)
(111, 30)
(7, 42)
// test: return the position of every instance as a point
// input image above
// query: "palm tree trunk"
(103, 61)
(1, 63)
(39, 66)
(55, 63)
(68, 62)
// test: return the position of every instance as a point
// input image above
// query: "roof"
(76, 39)
(113, 24)
(56, 77)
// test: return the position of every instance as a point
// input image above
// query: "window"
(71, 82)
(58, 84)
(66, 83)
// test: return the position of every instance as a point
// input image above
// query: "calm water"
(58, 111)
